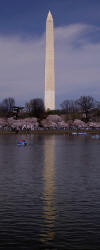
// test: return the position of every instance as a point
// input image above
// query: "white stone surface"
(49, 98)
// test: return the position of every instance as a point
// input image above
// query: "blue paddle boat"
(22, 143)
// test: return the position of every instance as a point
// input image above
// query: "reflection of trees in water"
(49, 209)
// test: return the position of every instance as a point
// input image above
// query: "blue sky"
(22, 48)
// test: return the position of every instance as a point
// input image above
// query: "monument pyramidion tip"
(49, 17)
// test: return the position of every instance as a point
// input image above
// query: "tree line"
(35, 107)
(84, 104)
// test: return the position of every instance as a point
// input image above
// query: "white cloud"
(77, 65)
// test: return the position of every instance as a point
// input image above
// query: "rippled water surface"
(50, 192)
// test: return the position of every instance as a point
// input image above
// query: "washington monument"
(49, 65)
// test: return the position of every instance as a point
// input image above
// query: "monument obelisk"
(49, 99)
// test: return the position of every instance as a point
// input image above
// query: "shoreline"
(50, 132)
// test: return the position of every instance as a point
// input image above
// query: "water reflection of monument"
(49, 208)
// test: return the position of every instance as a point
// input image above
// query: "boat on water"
(82, 133)
(95, 136)
(79, 133)
(22, 143)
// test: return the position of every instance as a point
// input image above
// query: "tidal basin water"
(50, 192)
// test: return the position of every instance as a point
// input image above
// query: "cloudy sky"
(22, 48)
